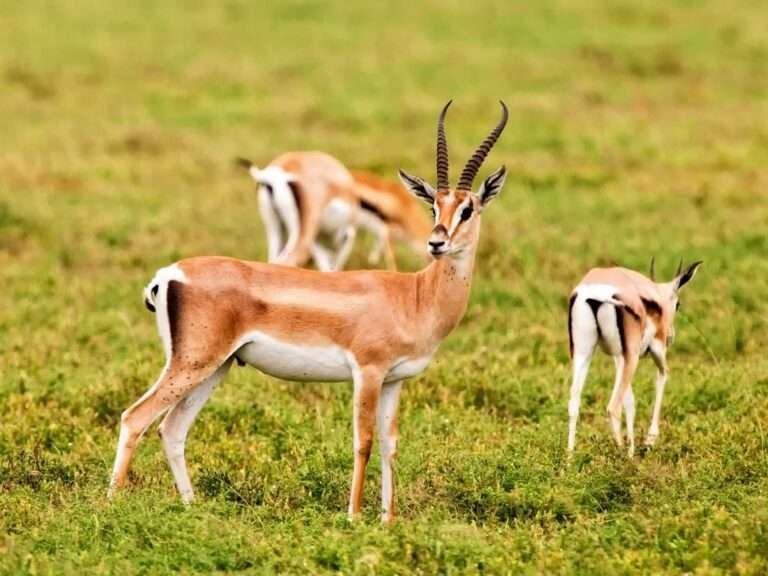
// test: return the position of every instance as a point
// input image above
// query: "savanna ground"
(637, 128)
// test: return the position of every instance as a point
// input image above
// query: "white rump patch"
(159, 300)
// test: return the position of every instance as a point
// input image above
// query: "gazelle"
(629, 315)
(376, 328)
(302, 195)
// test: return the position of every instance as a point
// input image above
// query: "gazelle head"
(457, 211)
(670, 294)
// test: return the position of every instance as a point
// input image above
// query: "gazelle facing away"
(629, 315)
(376, 328)
(303, 195)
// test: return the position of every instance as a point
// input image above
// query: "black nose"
(436, 245)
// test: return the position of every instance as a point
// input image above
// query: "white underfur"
(306, 363)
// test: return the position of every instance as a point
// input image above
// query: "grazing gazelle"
(303, 195)
(629, 315)
(376, 328)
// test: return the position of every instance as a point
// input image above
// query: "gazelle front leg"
(367, 383)
(388, 436)
(659, 355)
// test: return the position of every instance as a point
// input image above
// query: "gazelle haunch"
(303, 195)
(629, 315)
(376, 328)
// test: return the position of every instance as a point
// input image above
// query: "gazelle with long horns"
(628, 315)
(376, 328)
(305, 195)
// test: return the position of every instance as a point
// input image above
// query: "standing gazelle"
(629, 315)
(376, 328)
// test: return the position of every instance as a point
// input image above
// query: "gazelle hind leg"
(174, 383)
(614, 415)
(347, 242)
(581, 363)
(625, 371)
(272, 224)
(629, 411)
(583, 335)
(176, 424)
(388, 436)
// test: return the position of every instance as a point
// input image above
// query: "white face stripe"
(457, 215)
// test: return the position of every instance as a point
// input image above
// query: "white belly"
(337, 215)
(295, 362)
(407, 368)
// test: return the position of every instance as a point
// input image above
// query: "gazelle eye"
(466, 213)
(434, 213)
(677, 306)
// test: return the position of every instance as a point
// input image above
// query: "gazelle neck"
(445, 286)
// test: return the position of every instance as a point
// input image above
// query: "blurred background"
(636, 129)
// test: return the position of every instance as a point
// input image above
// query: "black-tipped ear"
(418, 187)
(491, 187)
(687, 275)
(243, 163)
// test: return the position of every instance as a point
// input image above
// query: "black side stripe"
(595, 306)
(296, 191)
(373, 209)
(571, 302)
(620, 327)
(173, 305)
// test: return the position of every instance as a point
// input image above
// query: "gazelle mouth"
(437, 252)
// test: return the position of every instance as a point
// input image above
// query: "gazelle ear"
(491, 187)
(686, 276)
(417, 186)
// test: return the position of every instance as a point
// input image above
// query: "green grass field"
(637, 129)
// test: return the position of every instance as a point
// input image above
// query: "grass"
(636, 130)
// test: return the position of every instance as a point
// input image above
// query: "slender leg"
(629, 410)
(322, 257)
(581, 362)
(659, 355)
(272, 224)
(174, 383)
(176, 424)
(389, 251)
(367, 382)
(624, 376)
(613, 415)
(387, 424)
(347, 242)
(289, 215)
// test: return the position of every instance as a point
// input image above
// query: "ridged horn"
(442, 152)
(474, 163)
